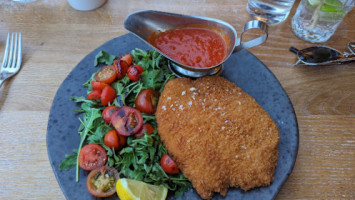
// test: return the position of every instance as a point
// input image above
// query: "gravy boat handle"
(254, 24)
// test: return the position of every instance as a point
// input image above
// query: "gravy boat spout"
(146, 23)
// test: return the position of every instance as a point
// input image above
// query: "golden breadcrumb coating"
(218, 135)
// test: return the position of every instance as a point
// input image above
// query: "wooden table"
(56, 37)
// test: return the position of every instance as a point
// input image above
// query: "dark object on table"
(323, 55)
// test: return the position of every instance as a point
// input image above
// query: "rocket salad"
(118, 129)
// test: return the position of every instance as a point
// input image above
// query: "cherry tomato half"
(97, 85)
(168, 165)
(146, 128)
(92, 156)
(127, 120)
(122, 140)
(108, 95)
(134, 72)
(122, 67)
(94, 95)
(111, 140)
(114, 140)
(147, 101)
(107, 74)
(127, 58)
(107, 113)
(101, 182)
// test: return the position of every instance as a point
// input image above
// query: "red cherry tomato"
(147, 101)
(108, 95)
(168, 165)
(134, 72)
(121, 67)
(107, 74)
(94, 95)
(127, 120)
(146, 128)
(92, 156)
(101, 182)
(107, 113)
(111, 140)
(122, 140)
(96, 85)
(127, 58)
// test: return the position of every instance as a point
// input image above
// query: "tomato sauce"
(196, 47)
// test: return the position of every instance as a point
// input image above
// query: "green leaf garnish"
(104, 57)
(140, 159)
(69, 161)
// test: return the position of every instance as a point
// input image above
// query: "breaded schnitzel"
(218, 135)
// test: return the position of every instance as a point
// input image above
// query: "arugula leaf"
(104, 57)
(69, 161)
(86, 104)
(152, 79)
(149, 118)
(126, 92)
(88, 122)
(87, 84)
(82, 100)
(98, 136)
(156, 72)
(140, 159)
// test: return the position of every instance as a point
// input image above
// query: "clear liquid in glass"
(312, 24)
(270, 11)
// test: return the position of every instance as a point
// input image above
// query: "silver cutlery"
(12, 57)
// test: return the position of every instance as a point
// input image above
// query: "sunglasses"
(323, 55)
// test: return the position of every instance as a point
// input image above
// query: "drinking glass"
(316, 20)
(86, 5)
(270, 11)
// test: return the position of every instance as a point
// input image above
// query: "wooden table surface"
(56, 37)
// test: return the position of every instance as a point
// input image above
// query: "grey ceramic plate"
(242, 68)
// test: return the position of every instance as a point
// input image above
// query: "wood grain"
(56, 37)
(325, 164)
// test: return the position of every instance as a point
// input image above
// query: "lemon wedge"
(129, 189)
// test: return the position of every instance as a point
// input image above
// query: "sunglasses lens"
(318, 54)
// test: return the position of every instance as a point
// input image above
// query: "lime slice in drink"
(331, 14)
(331, 9)
(313, 3)
(334, 3)
(332, 6)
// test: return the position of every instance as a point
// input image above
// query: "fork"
(12, 57)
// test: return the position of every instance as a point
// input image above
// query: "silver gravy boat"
(147, 22)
